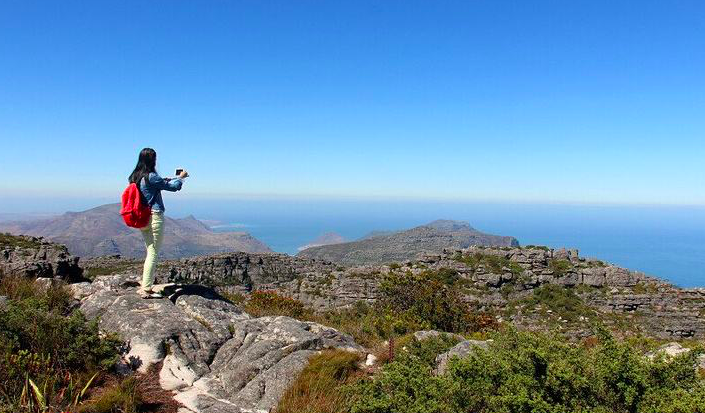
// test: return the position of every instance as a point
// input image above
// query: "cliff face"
(406, 245)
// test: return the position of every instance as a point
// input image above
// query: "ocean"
(663, 241)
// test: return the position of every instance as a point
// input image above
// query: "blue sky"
(538, 101)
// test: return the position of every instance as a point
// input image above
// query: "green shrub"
(92, 272)
(364, 322)
(426, 350)
(403, 386)
(537, 247)
(560, 300)
(42, 341)
(532, 372)
(560, 267)
(425, 301)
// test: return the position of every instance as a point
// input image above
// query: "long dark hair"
(146, 164)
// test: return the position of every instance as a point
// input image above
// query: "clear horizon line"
(263, 196)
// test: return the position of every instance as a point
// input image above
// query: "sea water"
(663, 241)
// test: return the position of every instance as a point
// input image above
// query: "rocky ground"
(218, 359)
(498, 279)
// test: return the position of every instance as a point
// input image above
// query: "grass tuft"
(320, 386)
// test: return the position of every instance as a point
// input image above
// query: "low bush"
(48, 353)
(267, 303)
(561, 301)
(532, 372)
(428, 300)
(560, 267)
(426, 350)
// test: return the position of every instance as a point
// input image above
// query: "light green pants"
(153, 234)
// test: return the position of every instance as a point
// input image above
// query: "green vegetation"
(594, 264)
(531, 372)
(53, 360)
(321, 385)
(563, 302)
(428, 300)
(493, 263)
(560, 267)
(49, 354)
(645, 288)
(12, 241)
(425, 351)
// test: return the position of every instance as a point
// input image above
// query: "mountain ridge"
(101, 231)
(399, 246)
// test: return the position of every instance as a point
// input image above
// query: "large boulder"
(215, 357)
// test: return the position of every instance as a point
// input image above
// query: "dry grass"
(137, 393)
(16, 287)
(319, 387)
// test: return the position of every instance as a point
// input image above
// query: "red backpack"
(134, 211)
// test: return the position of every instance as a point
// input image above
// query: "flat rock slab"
(216, 358)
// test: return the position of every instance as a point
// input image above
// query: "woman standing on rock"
(151, 186)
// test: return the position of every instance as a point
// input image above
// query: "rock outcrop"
(320, 284)
(215, 357)
(35, 257)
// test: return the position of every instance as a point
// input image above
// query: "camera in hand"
(178, 171)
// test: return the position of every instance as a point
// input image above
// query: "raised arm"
(156, 181)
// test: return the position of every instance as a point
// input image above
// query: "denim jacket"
(152, 190)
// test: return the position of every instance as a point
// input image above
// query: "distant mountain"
(101, 231)
(329, 238)
(384, 247)
(376, 233)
